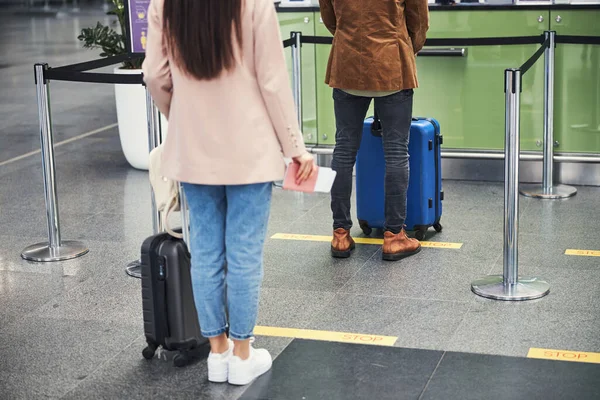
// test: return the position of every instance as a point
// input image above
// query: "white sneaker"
(243, 372)
(218, 365)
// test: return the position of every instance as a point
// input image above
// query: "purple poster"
(138, 24)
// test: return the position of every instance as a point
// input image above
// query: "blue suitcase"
(425, 195)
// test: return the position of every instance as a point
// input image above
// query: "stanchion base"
(492, 287)
(555, 192)
(42, 252)
(134, 269)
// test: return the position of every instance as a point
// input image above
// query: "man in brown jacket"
(373, 57)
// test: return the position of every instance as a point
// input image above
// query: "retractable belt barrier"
(484, 41)
(574, 39)
(88, 77)
(57, 249)
(506, 287)
(78, 72)
(536, 56)
(509, 285)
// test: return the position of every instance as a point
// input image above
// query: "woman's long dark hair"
(200, 34)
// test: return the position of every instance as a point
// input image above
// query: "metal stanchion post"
(185, 221)
(297, 74)
(296, 81)
(154, 140)
(55, 249)
(548, 190)
(510, 286)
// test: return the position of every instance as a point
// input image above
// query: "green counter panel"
(577, 83)
(303, 22)
(466, 94)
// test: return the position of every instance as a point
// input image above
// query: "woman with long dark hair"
(216, 70)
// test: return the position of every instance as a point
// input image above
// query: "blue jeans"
(228, 225)
(395, 113)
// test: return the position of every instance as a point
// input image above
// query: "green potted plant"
(110, 41)
(130, 99)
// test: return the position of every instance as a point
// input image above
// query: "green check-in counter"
(465, 93)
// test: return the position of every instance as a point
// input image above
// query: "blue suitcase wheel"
(420, 234)
(364, 225)
(438, 227)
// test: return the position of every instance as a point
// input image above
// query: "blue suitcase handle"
(376, 126)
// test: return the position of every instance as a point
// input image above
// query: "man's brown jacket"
(375, 42)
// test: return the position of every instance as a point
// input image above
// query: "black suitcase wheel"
(149, 352)
(364, 225)
(420, 234)
(438, 227)
(181, 360)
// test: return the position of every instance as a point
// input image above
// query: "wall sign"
(137, 12)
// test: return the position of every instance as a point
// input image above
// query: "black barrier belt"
(96, 64)
(567, 39)
(76, 76)
(532, 60)
(289, 42)
(492, 41)
(317, 40)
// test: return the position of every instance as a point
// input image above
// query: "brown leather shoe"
(342, 243)
(397, 247)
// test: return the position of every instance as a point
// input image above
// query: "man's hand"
(417, 22)
(328, 15)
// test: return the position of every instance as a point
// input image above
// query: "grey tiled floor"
(74, 328)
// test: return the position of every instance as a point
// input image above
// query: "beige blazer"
(233, 130)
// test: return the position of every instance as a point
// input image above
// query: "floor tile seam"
(493, 264)
(67, 142)
(34, 312)
(335, 294)
(102, 365)
(404, 297)
(463, 319)
(561, 210)
(307, 212)
(111, 321)
(274, 359)
(43, 317)
(432, 375)
(360, 268)
(554, 236)
(306, 291)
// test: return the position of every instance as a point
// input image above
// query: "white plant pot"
(133, 123)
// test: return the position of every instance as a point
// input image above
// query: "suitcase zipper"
(438, 142)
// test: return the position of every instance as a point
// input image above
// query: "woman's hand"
(307, 167)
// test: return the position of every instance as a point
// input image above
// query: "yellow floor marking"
(564, 355)
(585, 253)
(327, 336)
(317, 238)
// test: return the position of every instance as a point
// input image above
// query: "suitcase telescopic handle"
(376, 126)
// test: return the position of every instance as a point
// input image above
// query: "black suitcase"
(170, 317)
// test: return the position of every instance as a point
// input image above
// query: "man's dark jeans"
(395, 113)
